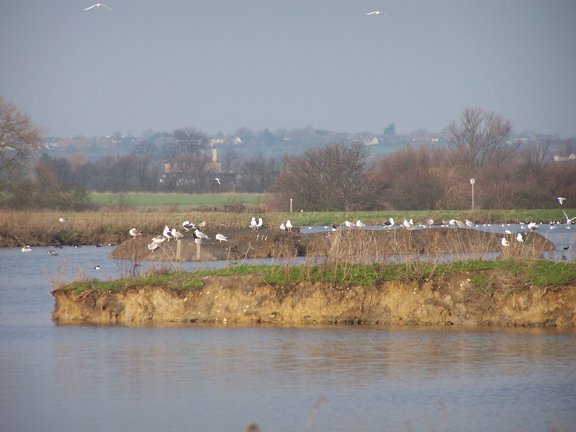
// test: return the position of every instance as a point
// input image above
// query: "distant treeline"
(477, 166)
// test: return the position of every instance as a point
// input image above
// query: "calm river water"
(60, 378)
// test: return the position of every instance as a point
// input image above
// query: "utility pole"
(472, 183)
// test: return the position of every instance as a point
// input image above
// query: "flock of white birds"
(258, 223)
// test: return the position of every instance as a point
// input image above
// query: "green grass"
(142, 200)
(138, 199)
(421, 216)
(532, 272)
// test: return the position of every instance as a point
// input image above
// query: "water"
(70, 378)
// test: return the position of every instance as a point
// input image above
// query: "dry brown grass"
(44, 228)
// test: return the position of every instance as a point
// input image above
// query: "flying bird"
(376, 12)
(568, 220)
(217, 180)
(561, 200)
(97, 5)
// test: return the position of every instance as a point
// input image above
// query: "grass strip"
(532, 272)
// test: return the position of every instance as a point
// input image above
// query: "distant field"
(138, 199)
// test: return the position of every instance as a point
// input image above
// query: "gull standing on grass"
(158, 239)
(199, 234)
(221, 237)
(97, 5)
(176, 234)
(167, 233)
(134, 232)
(187, 225)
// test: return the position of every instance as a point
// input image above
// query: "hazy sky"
(219, 65)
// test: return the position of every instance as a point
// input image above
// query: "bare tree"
(19, 139)
(229, 158)
(330, 178)
(414, 178)
(257, 174)
(480, 137)
(191, 173)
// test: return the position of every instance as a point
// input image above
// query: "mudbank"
(453, 299)
(449, 299)
(345, 244)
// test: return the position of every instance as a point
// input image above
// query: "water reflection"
(321, 356)
(221, 378)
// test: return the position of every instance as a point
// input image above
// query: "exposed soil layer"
(448, 299)
(452, 299)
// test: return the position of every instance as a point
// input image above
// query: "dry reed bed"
(350, 246)
(44, 228)
(430, 244)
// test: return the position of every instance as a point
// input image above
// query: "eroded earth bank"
(444, 300)
(500, 299)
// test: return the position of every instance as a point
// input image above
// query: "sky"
(221, 65)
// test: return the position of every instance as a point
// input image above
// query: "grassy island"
(511, 292)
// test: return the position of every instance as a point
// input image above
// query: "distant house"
(565, 158)
(195, 171)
